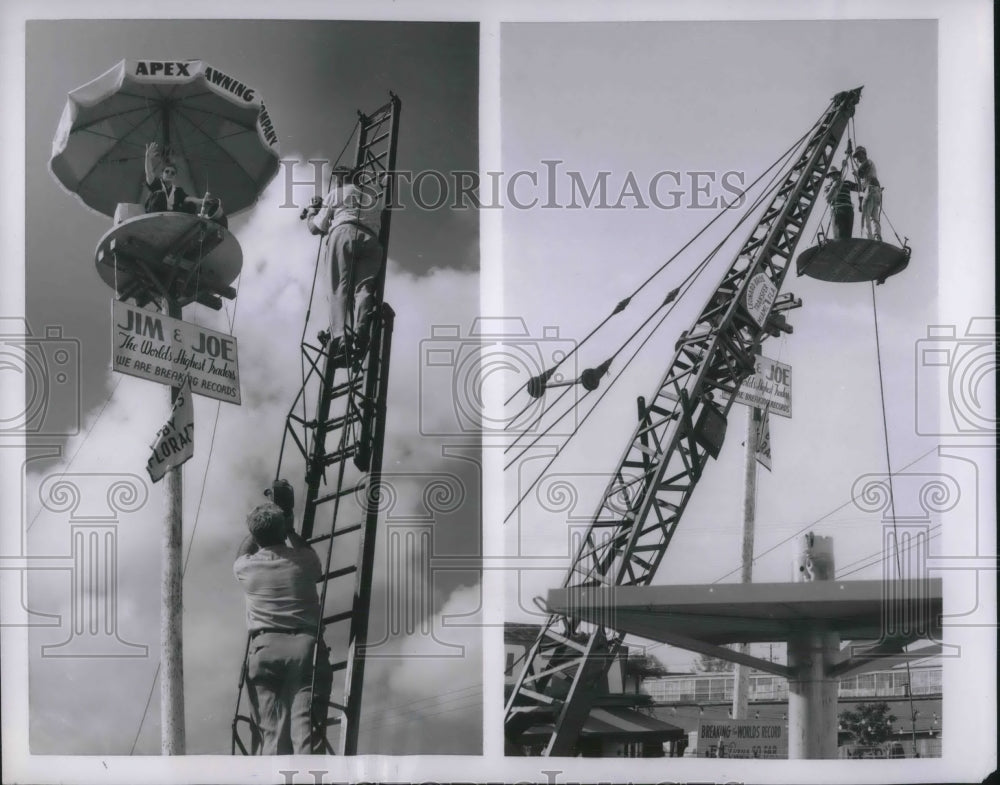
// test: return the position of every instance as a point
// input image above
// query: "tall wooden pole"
(741, 673)
(172, 605)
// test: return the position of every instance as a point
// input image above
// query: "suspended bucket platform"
(184, 256)
(852, 260)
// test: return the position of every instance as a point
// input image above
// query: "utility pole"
(172, 603)
(741, 673)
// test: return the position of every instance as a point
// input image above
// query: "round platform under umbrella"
(175, 255)
(214, 127)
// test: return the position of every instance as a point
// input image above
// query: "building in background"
(686, 700)
(622, 722)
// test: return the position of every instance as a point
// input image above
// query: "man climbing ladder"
(349, 217)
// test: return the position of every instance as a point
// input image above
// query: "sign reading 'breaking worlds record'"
(161, 349)
(748, 738)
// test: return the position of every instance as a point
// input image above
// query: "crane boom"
(682, 424)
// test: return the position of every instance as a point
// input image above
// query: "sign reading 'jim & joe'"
(162, 349)
(770, 387)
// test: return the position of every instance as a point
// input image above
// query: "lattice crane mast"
(682, 424)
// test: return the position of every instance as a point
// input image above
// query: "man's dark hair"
(266, 523)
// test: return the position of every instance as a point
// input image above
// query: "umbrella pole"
(171, 610)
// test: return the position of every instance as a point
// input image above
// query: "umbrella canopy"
(214, 127)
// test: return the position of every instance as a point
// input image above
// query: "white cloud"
(430, 680)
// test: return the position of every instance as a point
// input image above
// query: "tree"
(871, 723)
(644, 666)
(711, 664)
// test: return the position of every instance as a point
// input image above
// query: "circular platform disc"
(853, 260)
(170, 245)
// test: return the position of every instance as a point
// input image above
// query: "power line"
(878, 557)
(404, 720)
(145, 710)
(393, 713)
(818, 520)
(875, 557)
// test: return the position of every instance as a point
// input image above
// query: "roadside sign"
(750, 738)
(759, 297)
(162, 349)
(174, 443)
(769, 387)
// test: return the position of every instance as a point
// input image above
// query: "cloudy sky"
(313, 77)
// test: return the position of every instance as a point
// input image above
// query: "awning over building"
(613, 724)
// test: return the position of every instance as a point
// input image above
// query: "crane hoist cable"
(624, 303)
(819, 520)
(86, 436)
(888, 468)
(604, 392)
(675, 294)
(688, 282)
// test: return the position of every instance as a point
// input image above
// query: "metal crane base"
(853, 260)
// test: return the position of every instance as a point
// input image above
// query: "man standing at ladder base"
(349, 217)
(871, 195)
(283, 616)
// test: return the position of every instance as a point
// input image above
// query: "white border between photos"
(965, 96)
